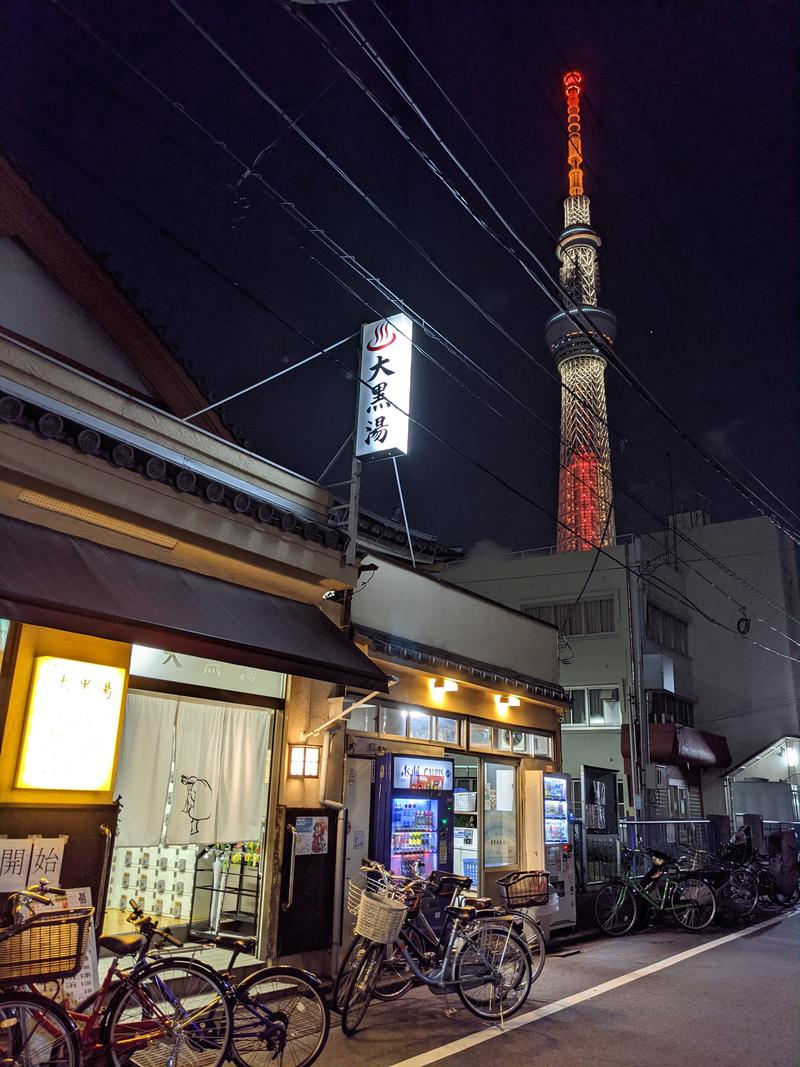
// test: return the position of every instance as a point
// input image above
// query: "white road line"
(434, 1055)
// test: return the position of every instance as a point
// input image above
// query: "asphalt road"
(712, 998)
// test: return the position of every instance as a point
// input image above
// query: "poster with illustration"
(312, 835)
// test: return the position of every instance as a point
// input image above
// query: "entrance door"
(500, 843)
(358, 804)
(466, 814)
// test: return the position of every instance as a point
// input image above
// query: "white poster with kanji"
(15, 862)
(27, 860)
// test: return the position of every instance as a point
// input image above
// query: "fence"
(598, 856)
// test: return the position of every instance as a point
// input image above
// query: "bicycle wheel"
(169, 1011)
(360, 992)
(738, 895)
(395, 978)
(36, 1032)
(492, 972)
(279, 1016)
(693, 903)
(615, 909)
(534, 939)
(347, 969)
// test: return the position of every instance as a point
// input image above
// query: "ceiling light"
(504, 701)
(443, 685)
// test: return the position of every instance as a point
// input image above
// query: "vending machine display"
(556, 811)
(415, 828)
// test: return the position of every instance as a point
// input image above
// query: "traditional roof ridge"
(27, 218)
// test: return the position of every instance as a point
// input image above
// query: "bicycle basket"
(524, 889)
(46, 946)
(695, 859)
(379, 917)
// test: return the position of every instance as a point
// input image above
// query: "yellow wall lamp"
(504, 701)
(440, 686)
(304, 761)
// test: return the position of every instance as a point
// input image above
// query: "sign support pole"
(353, 510)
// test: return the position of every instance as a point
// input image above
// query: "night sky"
(690, 139)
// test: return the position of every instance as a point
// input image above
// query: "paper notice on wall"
(312, 835)
(505, 788)
(26, 860)
(81, 985)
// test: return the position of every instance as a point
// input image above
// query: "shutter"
(695, 802)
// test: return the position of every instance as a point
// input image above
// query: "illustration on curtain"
(199, 801)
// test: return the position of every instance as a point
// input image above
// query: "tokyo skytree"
(585, 504)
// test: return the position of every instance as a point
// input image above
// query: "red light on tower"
(572, 88)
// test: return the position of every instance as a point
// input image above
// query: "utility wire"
(668, 591)
(359, 38)
(573, 311)
(699, 548)
(344, 19)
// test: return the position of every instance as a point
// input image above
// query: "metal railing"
(670, 836)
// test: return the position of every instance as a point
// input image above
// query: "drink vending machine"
(548, 838)
(413, 806)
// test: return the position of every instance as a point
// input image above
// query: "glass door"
(500, 843)
(466, 810)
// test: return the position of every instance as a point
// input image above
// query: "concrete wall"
(408, 604)
(601, 660)
(742, 691)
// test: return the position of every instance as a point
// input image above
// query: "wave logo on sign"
(383, 337)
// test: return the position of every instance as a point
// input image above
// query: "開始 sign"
(384, 392)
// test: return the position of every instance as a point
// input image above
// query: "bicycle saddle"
(121, 944)
(460, 914)
(478, 902)
(437, 878)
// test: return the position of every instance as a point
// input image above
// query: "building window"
(585, 619)
(397, 720)
(668, 708)
(512, 740)
(594, 706)
(667, 630)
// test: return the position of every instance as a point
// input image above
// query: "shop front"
(434, 788)
(144, 716)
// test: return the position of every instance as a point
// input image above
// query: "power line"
(346, 20)
(501, 481)
(572, 310)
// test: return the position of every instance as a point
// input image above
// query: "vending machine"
(413, 809)
(548, 837)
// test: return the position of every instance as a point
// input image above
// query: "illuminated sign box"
(384, 393)
(411, 772)
(71, 726)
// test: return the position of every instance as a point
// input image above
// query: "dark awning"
(51, 579)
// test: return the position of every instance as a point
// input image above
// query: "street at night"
(664, 997)
(400, 530)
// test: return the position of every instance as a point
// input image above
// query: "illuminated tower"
(585, 502)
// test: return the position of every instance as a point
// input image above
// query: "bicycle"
(160, 1009)
(735, 886)
(665, 888)
(479, 955)
(276, 1013)
(279, 1013)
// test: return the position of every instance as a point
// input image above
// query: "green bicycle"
(664, 888)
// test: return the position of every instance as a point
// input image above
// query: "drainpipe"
(635, 703)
